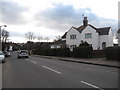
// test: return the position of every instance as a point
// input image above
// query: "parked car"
(6, 53)
(23, 54)
(2, 57)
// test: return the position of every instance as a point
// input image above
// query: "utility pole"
(0, 36)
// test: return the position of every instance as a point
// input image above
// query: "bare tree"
(47, 38)
(30, 36)
(40, 38)
(5, 35)
(57, 38)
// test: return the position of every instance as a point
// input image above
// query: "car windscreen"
(23, 52)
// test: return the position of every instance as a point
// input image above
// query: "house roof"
(64, 36)
(118, 31)
(59, 42)
(101, 31)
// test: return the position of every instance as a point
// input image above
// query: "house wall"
(54, 46)
(81, 36)
(76, 41)
(94, 40)
(104, 38)
(108, 39)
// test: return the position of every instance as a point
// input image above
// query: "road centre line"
(27, 59)
(91, 85)
(34, 62)
(52, 69)
(31, 61)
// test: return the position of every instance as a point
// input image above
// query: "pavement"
(94, 61)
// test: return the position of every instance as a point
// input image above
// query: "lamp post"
(0, 36)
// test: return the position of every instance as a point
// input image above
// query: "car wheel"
(3, 61)
(18, 57)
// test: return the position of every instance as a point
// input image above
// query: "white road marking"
(31, 61)
(34, 62)
(51, 69)
(27, 59)
(91, 85)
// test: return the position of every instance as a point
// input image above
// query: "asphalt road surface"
(37, 72)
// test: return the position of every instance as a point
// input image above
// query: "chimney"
(85, 21)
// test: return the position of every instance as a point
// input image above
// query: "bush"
(113, 53)
(83, 52)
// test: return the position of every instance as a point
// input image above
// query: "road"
(37, 72)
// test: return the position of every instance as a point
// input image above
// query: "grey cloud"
(17, 34)
(61, 17)
(12, 13)
(119, 14)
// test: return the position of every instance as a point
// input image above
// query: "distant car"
(6, 53)
(23, 54)
(18, 51)
(2, 57)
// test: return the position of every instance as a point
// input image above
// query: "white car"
(2, 57)
(23, 53)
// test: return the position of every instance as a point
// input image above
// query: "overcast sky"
(50, 18)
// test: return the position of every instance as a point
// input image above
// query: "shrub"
(84, 44)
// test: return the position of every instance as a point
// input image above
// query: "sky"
(51, 18)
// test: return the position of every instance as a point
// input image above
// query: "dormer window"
(73, 36)
(88, 35)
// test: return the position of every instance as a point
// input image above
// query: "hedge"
(82, 52)
(113, 53)
(63, 52)
(98, 53)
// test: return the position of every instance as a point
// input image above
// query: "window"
(88, 35)
(73, 36)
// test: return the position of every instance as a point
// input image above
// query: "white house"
(118, 37)
(99, 38)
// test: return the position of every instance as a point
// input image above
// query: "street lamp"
(0, 36)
